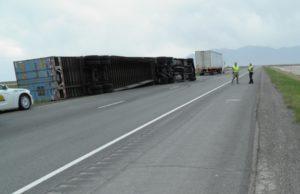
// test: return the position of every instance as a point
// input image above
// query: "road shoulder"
(278, 167)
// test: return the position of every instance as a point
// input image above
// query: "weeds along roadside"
(289, 86)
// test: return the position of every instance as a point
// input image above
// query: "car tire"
(24, 102)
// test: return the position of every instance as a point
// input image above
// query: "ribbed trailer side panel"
(73, 76)
(125, 71)
(95, 73)
(54, 78)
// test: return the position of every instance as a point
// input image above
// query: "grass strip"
(289, 86)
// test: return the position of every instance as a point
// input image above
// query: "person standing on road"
(251, 70)
(235, 73)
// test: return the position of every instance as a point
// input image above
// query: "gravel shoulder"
(278, 165)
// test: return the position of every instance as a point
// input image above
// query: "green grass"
(289, 86)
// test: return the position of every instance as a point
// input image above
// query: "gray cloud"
(34, 28)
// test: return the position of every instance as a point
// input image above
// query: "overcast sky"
(39, 28)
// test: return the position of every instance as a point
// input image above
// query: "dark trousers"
(250, 77)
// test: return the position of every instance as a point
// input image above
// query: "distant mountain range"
(260, 55)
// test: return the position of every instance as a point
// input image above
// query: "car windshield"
(2, 87)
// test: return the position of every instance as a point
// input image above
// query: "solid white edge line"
(78, 160)
(115, 103)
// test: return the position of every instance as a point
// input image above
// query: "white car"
(14, 98)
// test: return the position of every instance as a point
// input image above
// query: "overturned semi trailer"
(107, 73)
(55, 78)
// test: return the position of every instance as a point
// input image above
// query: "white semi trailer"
(208, 62)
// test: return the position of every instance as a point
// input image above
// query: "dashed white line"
(233, 100)
(80, 159)
(112, 104)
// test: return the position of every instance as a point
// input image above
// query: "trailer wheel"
(97, 89)
(171, 80)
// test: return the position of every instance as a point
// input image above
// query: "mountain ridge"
(260, 55)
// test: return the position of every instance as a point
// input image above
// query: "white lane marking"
(233, 100)
(112, 104)
(80, 159)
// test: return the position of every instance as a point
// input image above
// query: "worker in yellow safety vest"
(235, 73)
(251, 70)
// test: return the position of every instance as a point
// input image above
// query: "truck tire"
(94, 90)
(171, 80)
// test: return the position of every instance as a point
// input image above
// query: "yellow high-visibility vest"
(235, 69)
(250, 68)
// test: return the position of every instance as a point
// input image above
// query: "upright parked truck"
(208, 62)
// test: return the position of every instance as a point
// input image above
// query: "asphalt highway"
(190, 137)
